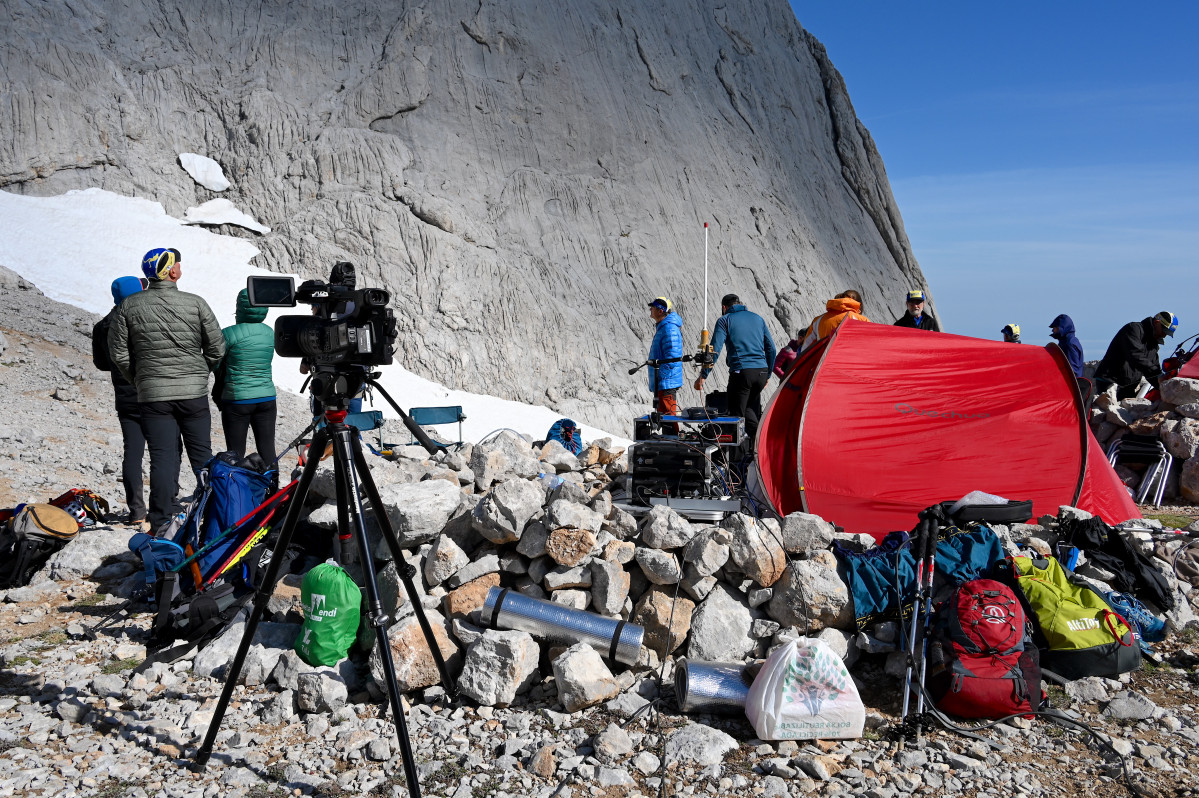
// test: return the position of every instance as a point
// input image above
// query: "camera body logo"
(905, 409)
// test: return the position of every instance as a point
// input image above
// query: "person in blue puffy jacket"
(1063, 332)
(666, 379)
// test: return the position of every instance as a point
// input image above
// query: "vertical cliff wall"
(522, 175)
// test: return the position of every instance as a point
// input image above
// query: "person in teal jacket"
(247, 388)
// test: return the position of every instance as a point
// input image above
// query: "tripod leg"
(344, 462)
(261, 599)
(342, 537)
(405, 571)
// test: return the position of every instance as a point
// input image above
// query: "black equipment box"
(726, 431)
(672, 468)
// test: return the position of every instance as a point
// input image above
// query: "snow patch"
(204, 171)
(222, 211)
(74, 245)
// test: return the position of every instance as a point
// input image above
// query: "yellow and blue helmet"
(1168, 321)
(157, 263)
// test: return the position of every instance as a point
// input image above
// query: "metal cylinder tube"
(715, 687)
(616, 639)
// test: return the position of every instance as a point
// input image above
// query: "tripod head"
(335, 385)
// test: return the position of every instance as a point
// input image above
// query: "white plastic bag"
(976, 497)
(804, 692)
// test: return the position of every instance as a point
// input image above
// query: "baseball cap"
(158, 262)
(1169, 321)
(661, 303)
(915, 296)
(1011, 329)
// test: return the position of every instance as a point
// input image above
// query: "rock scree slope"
(521, 175)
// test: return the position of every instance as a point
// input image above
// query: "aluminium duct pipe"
(616, 639)
(716, 687)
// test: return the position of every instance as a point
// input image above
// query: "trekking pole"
(929, 567)
(917, 548)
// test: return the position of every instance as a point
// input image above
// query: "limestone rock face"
(507, 169)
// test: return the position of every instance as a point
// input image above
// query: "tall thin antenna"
(705, 274)
(705, 358)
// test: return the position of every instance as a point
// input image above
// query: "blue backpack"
(230, 494)
(566, 432)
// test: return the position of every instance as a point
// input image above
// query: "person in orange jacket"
(845, 305)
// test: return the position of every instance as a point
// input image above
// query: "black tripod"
(350, 472)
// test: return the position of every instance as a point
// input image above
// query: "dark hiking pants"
(745, 396)
(131, 463)
(163, 423)
(239, 419)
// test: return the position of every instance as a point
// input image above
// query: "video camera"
(348, 325)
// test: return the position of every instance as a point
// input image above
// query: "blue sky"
(1043, 155)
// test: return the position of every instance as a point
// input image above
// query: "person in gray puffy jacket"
(167, 342)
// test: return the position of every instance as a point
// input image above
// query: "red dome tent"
(877, 422)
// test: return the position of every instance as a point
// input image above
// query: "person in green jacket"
(248, 391)
(166, 342)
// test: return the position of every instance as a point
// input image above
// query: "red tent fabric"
(1190, 370)
(877, 422)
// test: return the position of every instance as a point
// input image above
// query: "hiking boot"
(143, 525)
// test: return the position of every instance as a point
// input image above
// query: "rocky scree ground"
(78, 719)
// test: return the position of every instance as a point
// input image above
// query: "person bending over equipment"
(1132, 354)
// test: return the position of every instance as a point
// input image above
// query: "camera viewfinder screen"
(271, 292)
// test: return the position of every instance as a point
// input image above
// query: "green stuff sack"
(332, 605)
(1078, 632)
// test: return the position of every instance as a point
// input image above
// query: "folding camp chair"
(432, 416)
(1146, 450)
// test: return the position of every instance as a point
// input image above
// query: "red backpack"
(981, 661)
